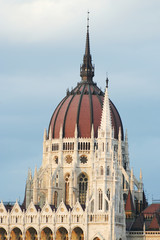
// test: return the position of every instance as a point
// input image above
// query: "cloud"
(52, 20)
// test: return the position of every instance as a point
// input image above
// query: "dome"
(83, 106)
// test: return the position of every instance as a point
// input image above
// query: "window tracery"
(100, 198)
(83, 185)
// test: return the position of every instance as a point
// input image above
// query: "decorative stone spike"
(45, 135)
(50, 133)
(92, 131)
(76, 131)
(106, 114)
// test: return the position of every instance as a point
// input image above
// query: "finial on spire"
(88, 21)
(87, 70)
(107, 80)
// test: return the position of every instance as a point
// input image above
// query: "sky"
(41, 48)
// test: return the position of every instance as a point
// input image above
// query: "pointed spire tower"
(87, 70)
(106, 125)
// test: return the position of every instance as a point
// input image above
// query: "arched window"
(108, 171)
(57, 180)
(108, 193)
(100, 199)
(55, 198)
(107, 205)
(88, 146)
(119, 207)
(107, 147)
(101, 170)
(67, 178)
(83, 185)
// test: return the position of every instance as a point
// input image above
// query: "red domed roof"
(82, 106)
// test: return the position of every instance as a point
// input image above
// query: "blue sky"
(41, 48)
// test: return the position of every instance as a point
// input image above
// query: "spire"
(106, 125)
(87, 70)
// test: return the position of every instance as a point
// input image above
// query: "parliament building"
(85, 188)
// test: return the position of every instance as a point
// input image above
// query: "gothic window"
(84, 146)
(55, 147)
(108, 194)
(55, 198)
(67, 178)
(57, 180)
(42, 199)
(83, 185)
(106, 205)
(56, 159)
(100, 199)
(107, 147)
(103, 147)
(119, 207)
(108, 171)
(101, 170)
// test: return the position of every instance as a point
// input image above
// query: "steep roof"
(129, 207)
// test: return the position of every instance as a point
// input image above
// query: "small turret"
(50, 134)
(106, 126)
(45, 135)
(76, 131)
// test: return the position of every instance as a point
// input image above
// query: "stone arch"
(61, 234)
(82, 186)
(31, 234)
(16, 234)
(46, 234)
(77, 233)
(3, 234)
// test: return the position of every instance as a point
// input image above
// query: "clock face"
(69, 159)
(56, 159)
(83, 159)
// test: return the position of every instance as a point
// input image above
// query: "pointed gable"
(138, 224)
(77, 208)
(16, 210)
(3, 209)
(62, 208)
(154, 226)
(46, 209)
(31, 209)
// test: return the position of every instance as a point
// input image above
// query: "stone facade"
(81, 188)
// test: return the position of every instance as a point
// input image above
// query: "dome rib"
(91, 105)
(100, 100)
(64, 121)
(58, 107)
(78, 110)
